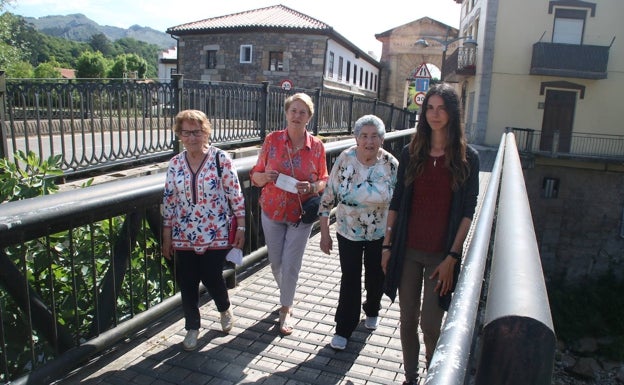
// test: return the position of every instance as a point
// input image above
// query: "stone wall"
(303, 60)
(579, 231)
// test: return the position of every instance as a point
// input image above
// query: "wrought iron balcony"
(462, 63)
(570, 60)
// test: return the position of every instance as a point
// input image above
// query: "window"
(361, 76)
(348, 71)
(354, 74)
(211, 59)
(276, 61)
(569, 25)
(340, 63)
(245, 53)
(330, 65)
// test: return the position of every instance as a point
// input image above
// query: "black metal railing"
(106, 123)
(81, 269)
(578, 144)
(570, 60)
(461, 63)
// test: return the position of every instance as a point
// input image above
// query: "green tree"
(99, 42)
(48, 70)
(20, 69)
(128, 63)
(91, 65)
(12, 50)
(120, 66)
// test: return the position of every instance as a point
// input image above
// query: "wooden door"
(558, 116)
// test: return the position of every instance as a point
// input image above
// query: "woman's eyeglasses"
(195, 133)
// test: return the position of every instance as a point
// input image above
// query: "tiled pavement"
(254, 352)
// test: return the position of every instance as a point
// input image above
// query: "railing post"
(412, 119)
(351, 102)
(555, 142)
(177, 82)
(3, 146)
(318, 103)
(263, 110)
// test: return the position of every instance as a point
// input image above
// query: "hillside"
(78, 27)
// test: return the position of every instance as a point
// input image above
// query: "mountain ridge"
(78, 27)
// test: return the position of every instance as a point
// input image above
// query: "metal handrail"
(42, 217)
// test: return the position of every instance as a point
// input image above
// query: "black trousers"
(191, 268)
(350, 299)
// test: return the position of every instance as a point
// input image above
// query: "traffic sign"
(422, 72)
(419, 98)
(286, 84)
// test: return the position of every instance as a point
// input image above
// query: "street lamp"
(469, 42)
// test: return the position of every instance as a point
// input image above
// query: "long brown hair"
(455, 150)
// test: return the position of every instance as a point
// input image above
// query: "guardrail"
(81, 269)
(108, 123)
(578, 144)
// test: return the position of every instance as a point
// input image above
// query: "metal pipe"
(518, 343)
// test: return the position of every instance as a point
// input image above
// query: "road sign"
(419, 98)
(286, 84)
(422, 72)
(421, 84)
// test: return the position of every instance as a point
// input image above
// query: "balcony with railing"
(462, 63)
(570, 60)
(577, 145)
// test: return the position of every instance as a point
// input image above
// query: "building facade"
(552, 71)
(277, 45)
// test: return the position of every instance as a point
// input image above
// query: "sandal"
(285, 323)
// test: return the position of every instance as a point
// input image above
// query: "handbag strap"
(292, 173)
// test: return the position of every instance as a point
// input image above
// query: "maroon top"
(431, 205)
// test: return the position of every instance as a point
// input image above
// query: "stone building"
(401, 56)
(275, 44)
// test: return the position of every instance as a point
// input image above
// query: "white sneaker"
(338, 342)
(371, 323)
(190, 341)
(227, 320)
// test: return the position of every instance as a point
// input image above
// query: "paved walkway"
(254, 352)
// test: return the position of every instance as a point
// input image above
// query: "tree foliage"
(21, 42)
(91, 65)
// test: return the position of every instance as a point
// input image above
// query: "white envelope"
(286, 183)
(235, 256)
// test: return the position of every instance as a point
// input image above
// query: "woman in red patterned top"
(196, 209)
(298, 158)
(430, 214)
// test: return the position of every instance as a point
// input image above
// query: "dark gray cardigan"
(463, 204)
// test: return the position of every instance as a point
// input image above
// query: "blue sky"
(353, 19)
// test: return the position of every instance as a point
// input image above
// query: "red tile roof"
(277, 16)
(67, 73)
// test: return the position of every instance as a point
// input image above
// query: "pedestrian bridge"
(498, 329)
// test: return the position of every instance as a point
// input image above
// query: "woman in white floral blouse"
(360, 185)
(196, 215)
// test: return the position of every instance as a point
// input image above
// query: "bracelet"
(455, 255)
(386, 247)
(383, 250)
(240, 228)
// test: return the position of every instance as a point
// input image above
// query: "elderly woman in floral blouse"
(196, 210)
(360, 185)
